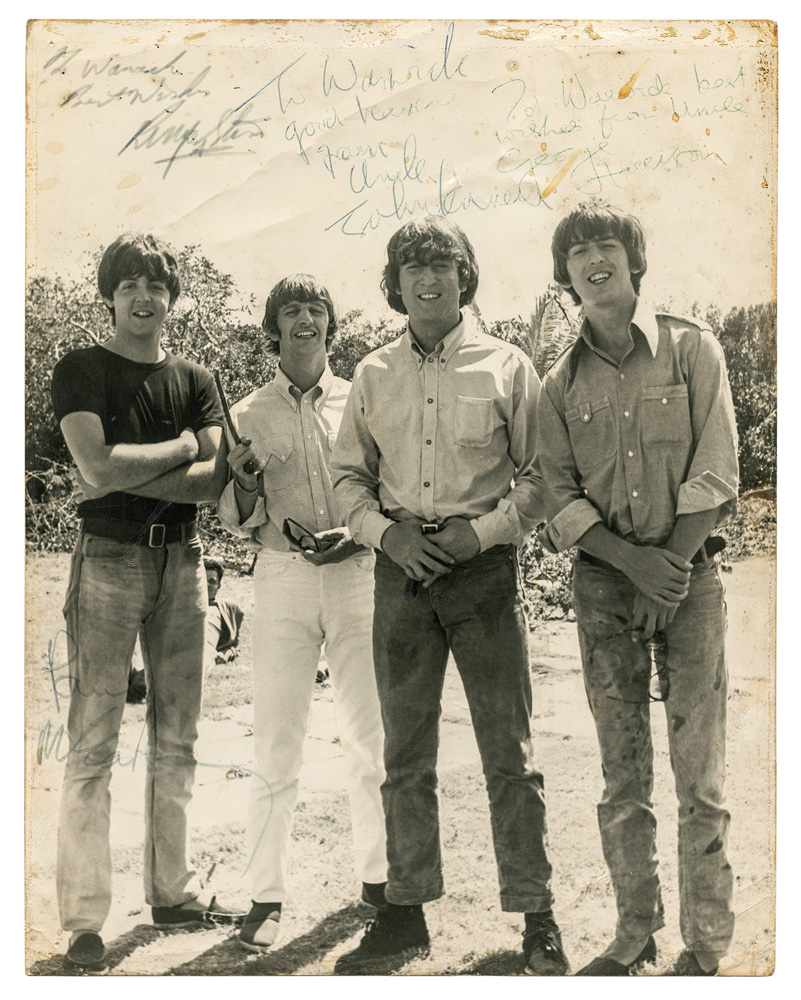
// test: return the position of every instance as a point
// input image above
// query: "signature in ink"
(232, 127)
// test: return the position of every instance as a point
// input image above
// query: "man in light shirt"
(434, 468)
(313, 586)
(638, 451)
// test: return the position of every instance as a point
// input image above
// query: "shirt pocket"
(665, 415)
(593, 433)
(278, 472)
(474, 424)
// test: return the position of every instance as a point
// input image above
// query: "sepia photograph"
(400, 497)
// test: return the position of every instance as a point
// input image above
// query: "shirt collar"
(445, 348)
(644, 319)
(292, 394)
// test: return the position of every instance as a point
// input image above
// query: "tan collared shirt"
(440, 435)
(634, 445)
(294, 433)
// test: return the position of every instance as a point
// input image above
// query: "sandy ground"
(567, 754)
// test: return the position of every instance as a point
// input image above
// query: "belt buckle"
(162, 538)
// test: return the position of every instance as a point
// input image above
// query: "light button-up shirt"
(294, 433)
(636, 444)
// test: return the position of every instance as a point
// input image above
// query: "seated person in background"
(223, 619)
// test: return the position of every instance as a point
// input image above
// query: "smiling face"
(599, 272)
(140, 308)
(302, 329)
(431, 293)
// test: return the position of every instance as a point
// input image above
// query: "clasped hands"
(662, 579)
(425, 558)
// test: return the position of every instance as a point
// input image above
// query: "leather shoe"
(610, 967)
(542, 947)
(193, 913)
(87, 952)
(687, 965)
(394, 936)
(261, 926)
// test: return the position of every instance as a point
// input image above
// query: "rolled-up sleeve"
(355, 473)
(713, 476)
(231, 519)
(570, 514)
(523, 507)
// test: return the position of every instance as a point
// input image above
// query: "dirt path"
(324, 914)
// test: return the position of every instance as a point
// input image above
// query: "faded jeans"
(616, 676)
(116, 592)
(474, 612)
(298, 607)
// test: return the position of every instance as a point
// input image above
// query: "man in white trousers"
(313, 585)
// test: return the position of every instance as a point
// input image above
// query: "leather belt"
(709, 548)
(155, 536)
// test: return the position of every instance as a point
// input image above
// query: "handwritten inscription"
(342, 113)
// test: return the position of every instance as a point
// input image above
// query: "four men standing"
(447, 454)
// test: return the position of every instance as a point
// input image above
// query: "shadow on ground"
(228, 959)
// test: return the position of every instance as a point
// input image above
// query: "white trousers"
(298, 606)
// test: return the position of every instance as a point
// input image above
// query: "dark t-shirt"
(137, 404)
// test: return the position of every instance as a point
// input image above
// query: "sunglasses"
(296, 533)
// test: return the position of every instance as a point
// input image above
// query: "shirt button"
(308, 436)
(431, 400)
(586, 417)
(322, 511)
(665, 402)
(634, 493)
(622, 375)
(430, 361)
(428, 441)
(314, 473)
(625, 413)
(631, 454)
(426, 484)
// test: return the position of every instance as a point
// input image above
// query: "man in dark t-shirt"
(144, 428)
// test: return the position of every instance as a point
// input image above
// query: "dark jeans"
(475, 612)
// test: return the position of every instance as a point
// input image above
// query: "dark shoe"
(87, 953)
(194, 914)
(261, 927)
(542, 947)
(609, 967)
(373, 893)
(397, 931)
(687, 965)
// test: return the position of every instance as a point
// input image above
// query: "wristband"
(244, 489)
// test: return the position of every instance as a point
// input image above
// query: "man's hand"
(458, 539)
(662, 576)
(82, 490)
(238, 457)
(343, 548)
(417, 554)
(651, 617)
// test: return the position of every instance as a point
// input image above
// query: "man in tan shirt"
(439, 426)
(638, 451)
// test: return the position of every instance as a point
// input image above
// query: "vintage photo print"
(311, 618)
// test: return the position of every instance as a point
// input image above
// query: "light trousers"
(116, 592)
(298, 607)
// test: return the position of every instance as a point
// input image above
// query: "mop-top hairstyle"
(424, 240)
(296, 288)
(595, 220)
(135, 254)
